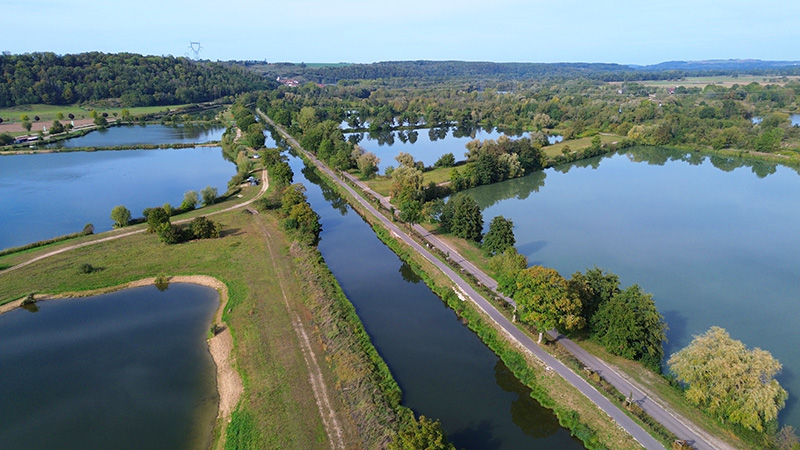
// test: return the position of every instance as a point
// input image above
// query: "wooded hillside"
(135, 80)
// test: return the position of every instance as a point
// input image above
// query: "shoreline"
(229, 383)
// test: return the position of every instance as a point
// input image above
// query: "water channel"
(149, 134)
(712, 238)
(443, 368)
(48, 195)
(126, 370)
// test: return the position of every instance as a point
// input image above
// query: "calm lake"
(712, 238)
(126, 370)
(426, 145)
(47, 195)
(442, 367)
(150, 134)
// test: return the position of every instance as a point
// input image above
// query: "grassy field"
(277, 410)
(726, 81)
(48, 113)
(578, 144)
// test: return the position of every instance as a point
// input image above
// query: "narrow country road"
(511, 331)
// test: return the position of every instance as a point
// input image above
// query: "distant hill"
(330, 74)
(467, 70)
(737, 65)
(129, 79)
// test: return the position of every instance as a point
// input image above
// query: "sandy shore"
(229, 383)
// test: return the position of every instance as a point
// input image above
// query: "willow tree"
(728, 380)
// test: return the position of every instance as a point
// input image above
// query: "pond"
(48, 195)
(150, 134)
(712, 238)
(442, 367)
(426, 145)
(126, 370)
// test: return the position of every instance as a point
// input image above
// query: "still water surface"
(443, 368)
(712, 238)
(47, 195)
(150, 134)
(126, 370)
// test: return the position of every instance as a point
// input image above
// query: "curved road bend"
(639, 434)
(264, 187)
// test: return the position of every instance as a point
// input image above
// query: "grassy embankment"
(48, 113)
(253, 259)
(573, 409)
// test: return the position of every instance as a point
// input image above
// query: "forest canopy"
(135, 80)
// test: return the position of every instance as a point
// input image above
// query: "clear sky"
(623, 31)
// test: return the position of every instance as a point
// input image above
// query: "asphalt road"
(669, 420)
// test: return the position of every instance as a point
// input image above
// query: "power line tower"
(194, 48)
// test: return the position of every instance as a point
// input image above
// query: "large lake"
(47, 195)
(443, 368)
(126, 370)
(714, 239)
(150, 134)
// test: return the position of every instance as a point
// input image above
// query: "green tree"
(500, 236)
(544, 301)
(594, 288)
(629, 325)
(209, 195)
(728, 380)
(425, 434)
(190, 200)
(27, 125)
(505, 267)
(169, 233)
(204, 228)
(447, 160)
(57, 127)
(121, 216)
(293, 195)
(462, 216)
(155, 217)
(406, 183)
(367, 164)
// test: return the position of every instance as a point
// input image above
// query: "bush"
(162, 282)
(203, 228)
(86, 268)
(29, 299)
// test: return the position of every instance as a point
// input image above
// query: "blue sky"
(631, 32)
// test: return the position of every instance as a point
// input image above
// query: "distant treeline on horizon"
(135, 80)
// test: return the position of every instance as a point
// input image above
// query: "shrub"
(86, 268)
(162, 282)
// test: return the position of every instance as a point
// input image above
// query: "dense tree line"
(135, 80)
(490, 71)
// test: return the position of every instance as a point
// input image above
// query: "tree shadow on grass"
(230, 232)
